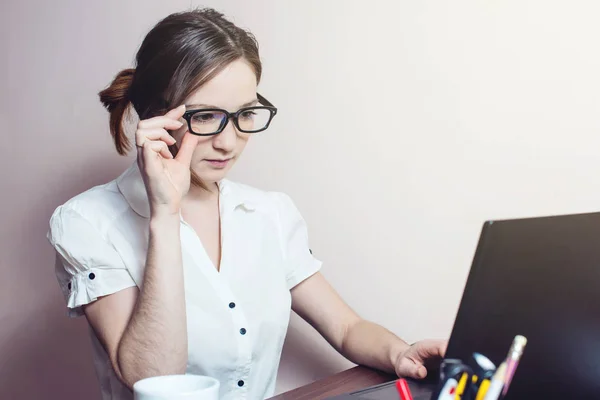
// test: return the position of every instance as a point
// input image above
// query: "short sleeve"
(87, 265)
(299, 261)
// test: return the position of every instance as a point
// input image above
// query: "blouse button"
(92, 276)
(243, 331)
(240, 383)
(69, 285)
(232, 305)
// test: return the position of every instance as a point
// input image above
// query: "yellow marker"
(460, 388)
(483, 388)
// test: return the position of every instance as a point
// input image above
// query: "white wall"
(403, 125)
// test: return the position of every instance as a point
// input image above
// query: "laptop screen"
(540, 278)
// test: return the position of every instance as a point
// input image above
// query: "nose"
(226, 140)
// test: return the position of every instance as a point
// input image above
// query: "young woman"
(178, 269)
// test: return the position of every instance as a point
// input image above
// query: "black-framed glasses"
(212, 121)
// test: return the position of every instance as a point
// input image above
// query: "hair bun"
(117, 92)
(115, 99)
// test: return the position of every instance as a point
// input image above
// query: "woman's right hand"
(167, 179)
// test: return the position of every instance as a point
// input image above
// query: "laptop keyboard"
(420, 391)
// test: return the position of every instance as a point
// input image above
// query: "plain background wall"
(403, 125)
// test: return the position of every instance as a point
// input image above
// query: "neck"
(197, 193)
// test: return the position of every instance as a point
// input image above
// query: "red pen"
(403, 389)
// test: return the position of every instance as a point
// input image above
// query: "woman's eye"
(204, 118)
(248, 114)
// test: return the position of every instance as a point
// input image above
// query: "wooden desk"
(346, 381)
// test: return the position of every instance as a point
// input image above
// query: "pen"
(483, 371)
(403, 389)
(496, 384)
(483, 388)
(449, 390)
(512, 360)
(460, 388)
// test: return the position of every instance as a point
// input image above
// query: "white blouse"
(237, 317)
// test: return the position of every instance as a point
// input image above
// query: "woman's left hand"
(415, 360)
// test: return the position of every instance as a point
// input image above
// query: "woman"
(178, 269)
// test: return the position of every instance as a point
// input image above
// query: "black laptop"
(537, 277)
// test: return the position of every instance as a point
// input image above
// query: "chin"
(211, 175)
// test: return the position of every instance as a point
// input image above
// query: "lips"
(218, 163)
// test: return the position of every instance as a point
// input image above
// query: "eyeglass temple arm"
(264, 101)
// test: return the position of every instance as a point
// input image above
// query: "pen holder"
(455, 380)
(465, 381)
(479, 379)
(483, 371)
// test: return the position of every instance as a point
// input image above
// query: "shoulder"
(96, 208)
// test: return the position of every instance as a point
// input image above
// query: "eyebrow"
(247, 104)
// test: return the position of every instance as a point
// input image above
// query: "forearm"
(155, 341)
(369, 344)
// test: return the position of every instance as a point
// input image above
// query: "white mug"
(177, 387)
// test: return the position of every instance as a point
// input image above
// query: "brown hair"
(179, 54)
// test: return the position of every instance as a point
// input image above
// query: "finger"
(142, 135)
(410, 369)
(151, 160)
(160, 122)
(159, 147)
(188, 145)
(424, 349)
(431, 348)
(442, 348)
(176, 113)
